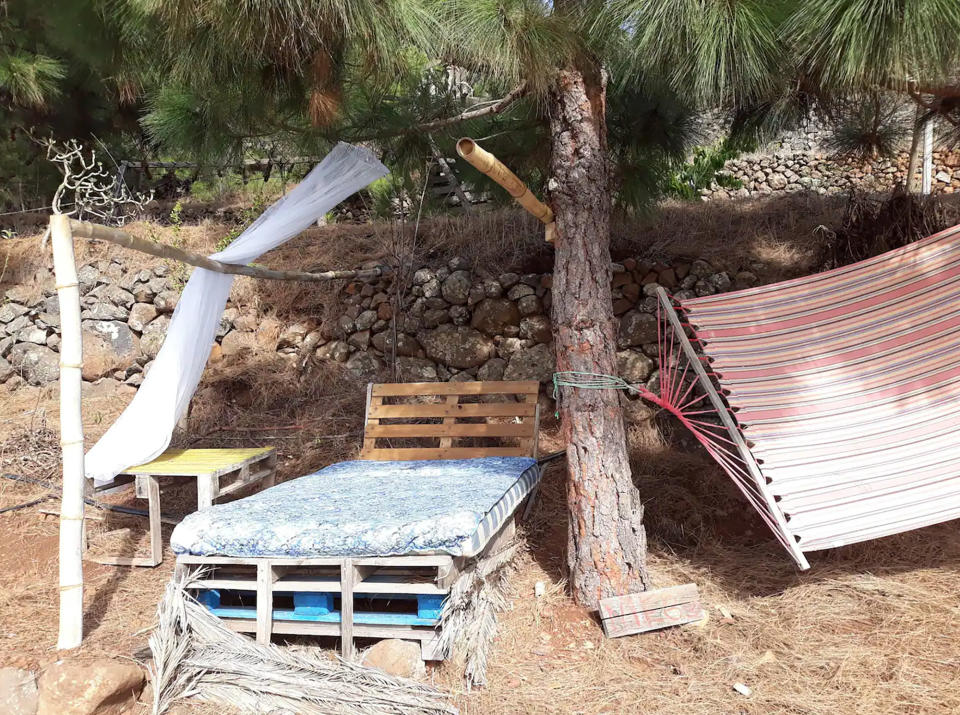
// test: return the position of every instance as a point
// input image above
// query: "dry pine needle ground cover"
(871, 628)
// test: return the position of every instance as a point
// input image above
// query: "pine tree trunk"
(606, 540)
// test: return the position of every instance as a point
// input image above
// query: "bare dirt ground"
(871, 628)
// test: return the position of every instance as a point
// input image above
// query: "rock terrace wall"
(454, 323)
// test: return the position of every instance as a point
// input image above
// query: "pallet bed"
(374, 596)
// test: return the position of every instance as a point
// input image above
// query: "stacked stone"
(124, 319)
(455, 323)
(814, 172)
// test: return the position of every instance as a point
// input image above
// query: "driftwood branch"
(121, 238)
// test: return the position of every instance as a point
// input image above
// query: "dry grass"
(871, 628)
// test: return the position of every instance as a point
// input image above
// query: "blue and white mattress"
(367, 508)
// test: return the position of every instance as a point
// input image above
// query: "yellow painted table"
(218, 473)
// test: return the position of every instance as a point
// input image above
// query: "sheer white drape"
(144, 429)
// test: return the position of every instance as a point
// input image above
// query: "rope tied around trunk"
(597, 381)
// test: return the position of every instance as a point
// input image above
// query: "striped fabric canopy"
(844, 388)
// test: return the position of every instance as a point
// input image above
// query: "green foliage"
(179, 273)
(868, 126)
(690, 177)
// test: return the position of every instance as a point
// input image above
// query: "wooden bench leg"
(206, 490)
(271, 479)
(347, 581)
(265, 578)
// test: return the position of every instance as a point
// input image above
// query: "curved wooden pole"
(71, 435)
(486, 163)
(161, 250)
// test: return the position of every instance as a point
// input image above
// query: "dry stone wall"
(454, 323)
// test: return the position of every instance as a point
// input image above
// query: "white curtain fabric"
(144, 429)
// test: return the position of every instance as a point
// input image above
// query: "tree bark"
(912, 183)
(606, 540)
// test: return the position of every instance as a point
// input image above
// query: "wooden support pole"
(71, 435)
(121, 238)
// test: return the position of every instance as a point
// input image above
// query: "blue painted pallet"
(318, 608)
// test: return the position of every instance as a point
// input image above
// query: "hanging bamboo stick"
(121, 238)
(71, 436)
(486, 163)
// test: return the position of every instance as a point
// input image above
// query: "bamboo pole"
(486, 163)
(71, 436)
(121, 238)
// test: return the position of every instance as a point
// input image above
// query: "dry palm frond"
(195, 655)
(469, 620)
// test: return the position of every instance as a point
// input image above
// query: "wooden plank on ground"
(650, 610)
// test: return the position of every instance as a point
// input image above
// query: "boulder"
(6, 344)
(520, 290)
(334, 350)
(536, 328)
(492, 369)
(236, 342)
(530, 305)
(6, 370)
(634, 367)
(365, 365)
(37, 364)
(414, 369)
(365, 320)
(492, 288)
(292, 336)
(456, 288)
(118, 296)
(9, 311)
(87, 277)
(154, 335)
(456, 346)
(108, 345)
(33, 334)
(637, 328)
(18, 692)
(399, 658)
(431, 289)
(103, 687)
(508, 280)
(17, 324)
(407, 345)
(140, 315)
(533, 363)
(493, 315)
(102, 310)
(165, 301)
(360, 340)
(434, 317)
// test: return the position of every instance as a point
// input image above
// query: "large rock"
(237, 341)
(534, 363)
(492, 369)
(18, 692)
(104, 687)
(637, 328)
(396, 657)
(536, 328)
(108, 345)
(365, 365)
(493, 315)
(634, 367)
(153, 336)
(140, 315)
(407, 345)
(37, 364)
(414, 369)
(104, 310)
(9, 311)
(456, 346)
(6, 370)
(456, 288)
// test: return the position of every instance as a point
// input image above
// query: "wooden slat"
(451, 430)
(448, 453)
(406, 561)
(348, 575)
(650, 610)
(456, 388)
(462, 409)
(245, 625)
(264, 601)
(447, 440)
(370, 443)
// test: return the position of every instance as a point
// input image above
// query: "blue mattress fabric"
(367, 508)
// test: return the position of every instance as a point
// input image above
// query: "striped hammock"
(831, 400)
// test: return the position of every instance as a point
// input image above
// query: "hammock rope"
(678, 395)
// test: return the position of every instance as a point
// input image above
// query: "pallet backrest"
(430, 420)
